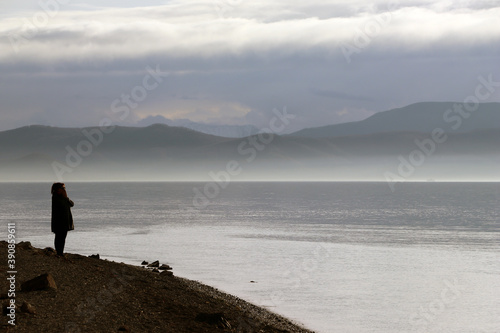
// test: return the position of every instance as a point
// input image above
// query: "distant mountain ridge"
(419, 117)
(228, 131)
(47, 140)
(162, 152)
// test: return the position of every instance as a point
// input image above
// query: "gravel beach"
(77, 294)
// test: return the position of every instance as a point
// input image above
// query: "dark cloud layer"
(236, 61)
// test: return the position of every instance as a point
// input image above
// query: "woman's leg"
(59, 242)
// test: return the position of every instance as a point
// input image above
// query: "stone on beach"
(25, 246)
(49, 251)
(42, 282)
(28, 308)
(154, 264)
(164, 267)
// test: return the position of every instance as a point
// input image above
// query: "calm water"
(336, 257)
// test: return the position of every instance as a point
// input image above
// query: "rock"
(28, 308)
(124, 328)
(164, 267)
(144, 263)
(95, 256)
(167, 273)
(42, 282)
(155, 270)
(216, 319)
(49, 251)
(25, 246)
(154, 264)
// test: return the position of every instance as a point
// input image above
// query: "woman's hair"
(55, 187)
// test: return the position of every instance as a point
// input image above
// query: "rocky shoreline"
(75, 293)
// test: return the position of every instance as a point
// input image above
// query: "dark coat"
(62, 219)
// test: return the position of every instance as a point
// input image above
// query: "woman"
(62, 220)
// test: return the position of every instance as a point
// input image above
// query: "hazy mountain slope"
(160, 152)
(229, 131)
(419, 117)
(160, 141)
(55, 141)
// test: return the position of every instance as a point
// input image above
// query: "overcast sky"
(73, 63)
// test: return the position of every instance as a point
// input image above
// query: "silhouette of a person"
(62, 219)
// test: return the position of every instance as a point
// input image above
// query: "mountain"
(420, 117)
(161, 152)
(53, 140)
(228, 131)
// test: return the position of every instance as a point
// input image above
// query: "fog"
(390, 169)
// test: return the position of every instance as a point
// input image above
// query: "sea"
(331, 256)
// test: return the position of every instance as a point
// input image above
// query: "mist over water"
(340, 169)
(337, 257)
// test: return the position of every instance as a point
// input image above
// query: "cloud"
(199, 110)
(193, 29)
(235, 61)
(340, 95)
